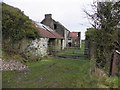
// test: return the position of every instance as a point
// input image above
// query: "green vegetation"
(15, 25)
(70, 51)
(102, 39)
(54, 72)
(73, 51)
(104, 36)
(111, 82)
(51, 73)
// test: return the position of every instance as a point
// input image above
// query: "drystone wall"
(37, 49)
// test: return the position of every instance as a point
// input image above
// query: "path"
(52, 72)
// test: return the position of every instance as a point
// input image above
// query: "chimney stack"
(48, 16)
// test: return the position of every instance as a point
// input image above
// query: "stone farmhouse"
(49, 42)
(57, 27)
(53, 37)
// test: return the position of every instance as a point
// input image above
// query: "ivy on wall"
(16, 25)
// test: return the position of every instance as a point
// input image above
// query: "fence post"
(114, 65)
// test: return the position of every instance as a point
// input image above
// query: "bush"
(16, 25)
(103, 43)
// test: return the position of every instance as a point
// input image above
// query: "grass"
(57, 73)
(70, 51)
(112, 82)
(73, 52)
(51, 73)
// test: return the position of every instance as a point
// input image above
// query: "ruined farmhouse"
(57, 27)
(53, 37)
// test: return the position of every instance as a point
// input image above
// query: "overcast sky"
(68, 12)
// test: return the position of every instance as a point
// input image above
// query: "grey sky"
(68, 12)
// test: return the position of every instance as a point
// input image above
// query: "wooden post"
(113, 65)
(110, 72)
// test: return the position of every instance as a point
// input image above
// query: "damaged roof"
(46, 31)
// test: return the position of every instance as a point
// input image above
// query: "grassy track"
(52, 73)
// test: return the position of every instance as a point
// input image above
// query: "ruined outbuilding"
(74, 39)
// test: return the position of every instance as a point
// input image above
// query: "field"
(52, 72)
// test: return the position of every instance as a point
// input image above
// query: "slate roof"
(46, 31)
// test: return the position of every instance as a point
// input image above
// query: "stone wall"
(37, 48)
(31, 49)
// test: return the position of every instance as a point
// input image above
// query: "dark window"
(55, 26)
